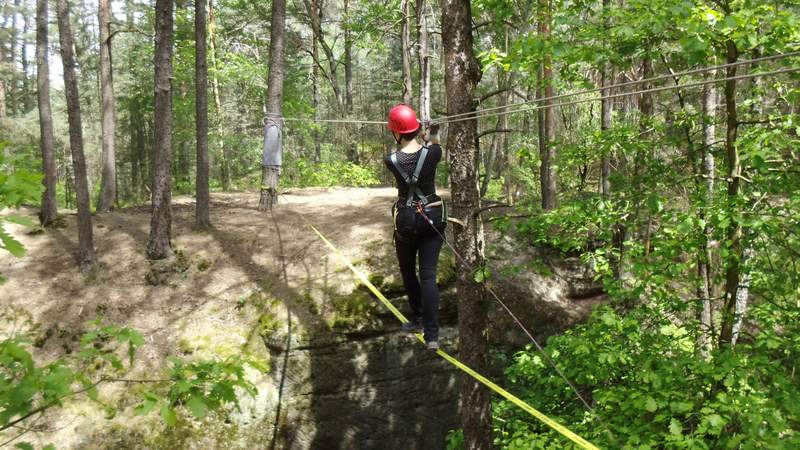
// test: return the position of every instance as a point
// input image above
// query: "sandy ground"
(204, 310)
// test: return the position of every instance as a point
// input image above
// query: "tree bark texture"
(85, 255)
(705, 289)
(316, 87)
(405, 47)
(606, 114)
(49, 211)
(547, 132)
(352, 145)
(270, 175)
(202, 217)
(462, 74)
(159, 245)
(108, 185)
(734, 231)
(225, 160)
(424, 64)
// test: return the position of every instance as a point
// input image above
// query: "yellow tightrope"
(581, 442)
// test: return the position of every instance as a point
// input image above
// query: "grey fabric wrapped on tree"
(273, 144)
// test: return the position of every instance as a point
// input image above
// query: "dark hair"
(410, 136)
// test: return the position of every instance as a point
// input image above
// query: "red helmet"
(403, 119)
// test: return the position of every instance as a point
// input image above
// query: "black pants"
(423, 295)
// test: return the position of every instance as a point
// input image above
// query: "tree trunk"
(202, 217)
(108, 185)
(159, 245)
(405, 38)
(316, 87)
(85, 255)
(27, 100)
(606, 114)
(704, 291)
(49, 212)
(270, 175)
(734, 231)
(424, 64)
(547, 130)
(12, 63)
(225, 167)
(352, 146)
(461, 76)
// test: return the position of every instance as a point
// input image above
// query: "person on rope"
(419, 219)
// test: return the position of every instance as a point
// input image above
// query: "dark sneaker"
(414, 326)
(432, 345)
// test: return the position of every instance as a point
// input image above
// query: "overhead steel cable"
(445, 119)
(491, 112)
(625, 94)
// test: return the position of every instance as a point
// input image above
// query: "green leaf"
(651, 404)
(197, 406)
(10, 244)
(24, 446)
(168, 414)
(20, 220)
(675, 427)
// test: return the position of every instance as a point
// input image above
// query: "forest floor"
(211, 306)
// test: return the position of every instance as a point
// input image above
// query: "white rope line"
(627, 83)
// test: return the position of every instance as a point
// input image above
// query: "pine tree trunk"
(86, 259)
(202, 215)
(225, 166)
(352, 146)
(734, 231)
(27, 99)
(108, 186)
(405, 38)
(424, 64)
(159, 245)
(547, 135)
(49, 212)
(461, 76)
(270, 175)
(316, 94)
(12, 61)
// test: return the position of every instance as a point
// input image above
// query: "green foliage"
(198, 386)
(341, 173)
(16, 188)
(651, 390)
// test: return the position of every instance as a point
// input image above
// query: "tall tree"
(606, 111)
(269, 175)
(547, 132)
(734, 231)
(159, 245)
(424, 64)
(202, 216)
(705, 289)
(48, 214)
(86, 259)
(316, 88)
(462, 74)
(225, 166)
(108, 184)
(405, 38)
(348, 80)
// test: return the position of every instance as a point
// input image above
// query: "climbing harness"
(412, 180)
(564, 431)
